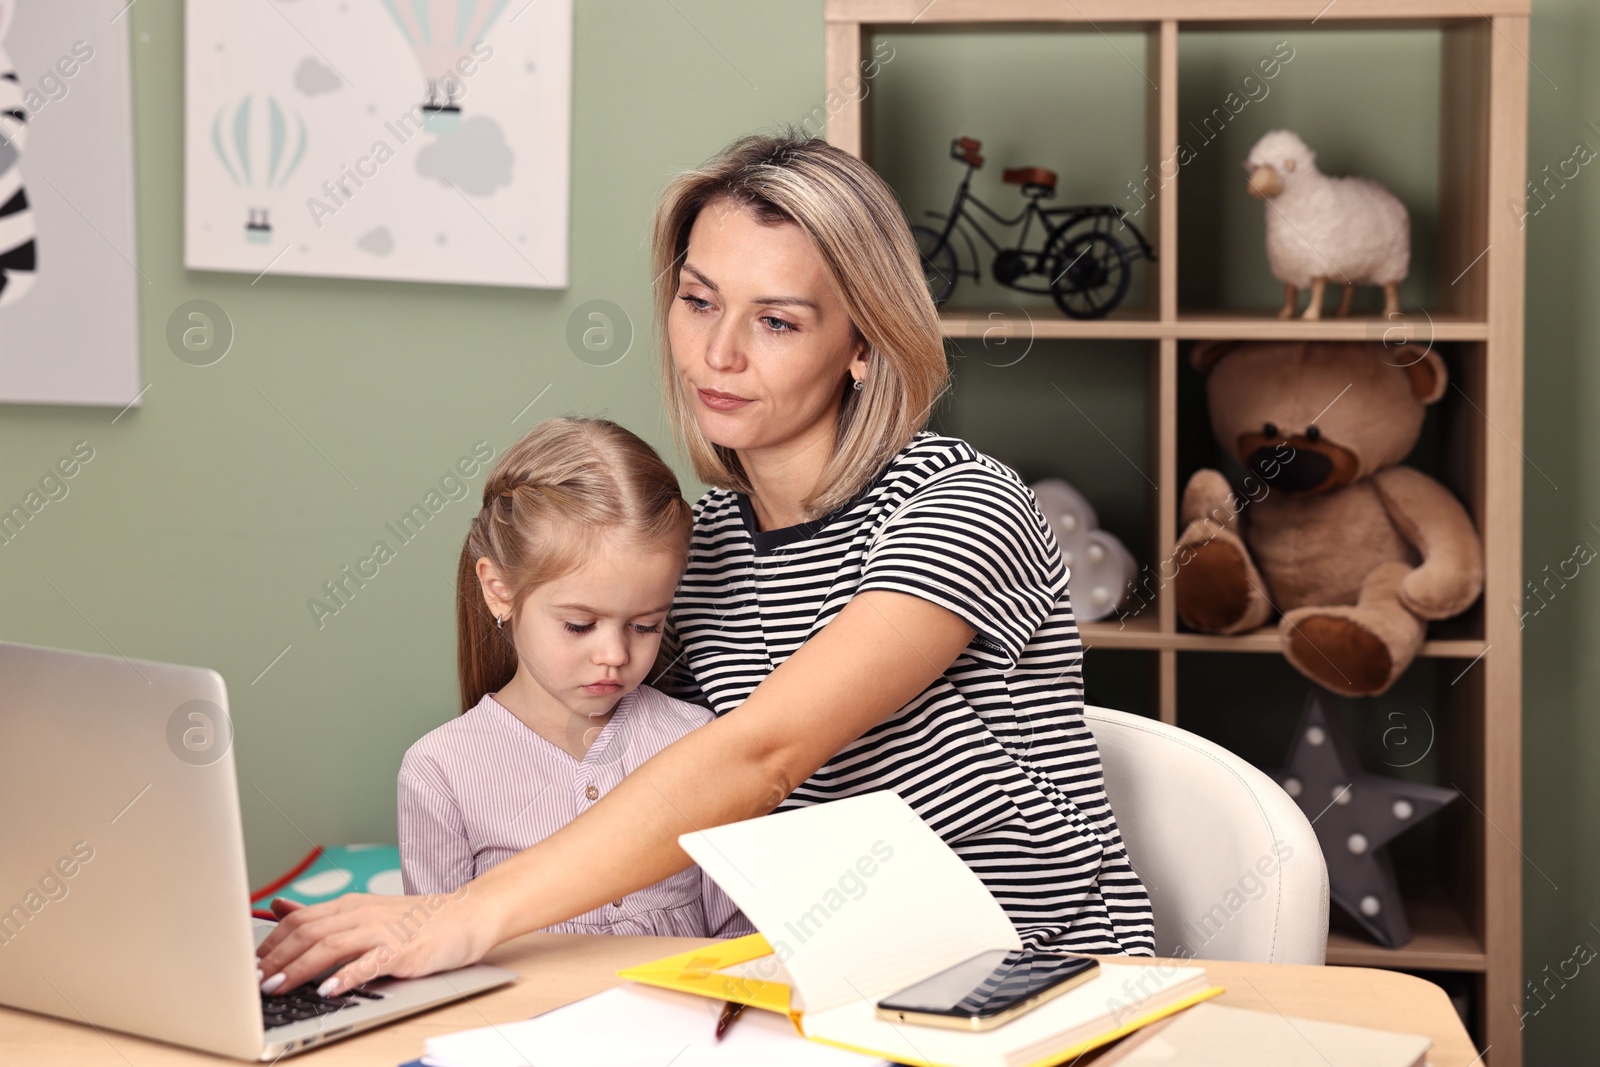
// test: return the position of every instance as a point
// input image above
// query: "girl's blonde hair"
(856, 225)
(556, 493)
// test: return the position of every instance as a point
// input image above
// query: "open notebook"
(857, 899)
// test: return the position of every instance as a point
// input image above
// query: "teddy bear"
(1355, 551)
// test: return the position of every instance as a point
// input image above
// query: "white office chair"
(1232, 865)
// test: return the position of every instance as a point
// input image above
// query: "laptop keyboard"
(301, 1004)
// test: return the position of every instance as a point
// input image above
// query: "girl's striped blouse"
(994, 755)
(483, 787)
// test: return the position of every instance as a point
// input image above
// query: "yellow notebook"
(857, 899)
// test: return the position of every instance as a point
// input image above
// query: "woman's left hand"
(404, 937)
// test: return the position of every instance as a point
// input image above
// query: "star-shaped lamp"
(1355, 815)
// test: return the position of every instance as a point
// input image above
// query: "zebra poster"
(412, 140)
(69, 280)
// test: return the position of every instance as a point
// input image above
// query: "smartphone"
(989, 989)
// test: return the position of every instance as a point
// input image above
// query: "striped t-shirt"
(484, 786)
(994, 755)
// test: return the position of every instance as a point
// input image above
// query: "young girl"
(563, 586)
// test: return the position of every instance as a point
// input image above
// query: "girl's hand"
(404, 937)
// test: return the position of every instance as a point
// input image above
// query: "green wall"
(212, 513)
(1561, 728)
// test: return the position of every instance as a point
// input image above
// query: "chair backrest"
(1232, 866)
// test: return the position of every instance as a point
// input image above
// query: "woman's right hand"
(403, 937)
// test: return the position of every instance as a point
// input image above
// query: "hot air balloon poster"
(411, 140)
(69, 274)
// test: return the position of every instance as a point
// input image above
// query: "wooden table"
(557, 969)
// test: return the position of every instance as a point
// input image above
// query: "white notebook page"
(858, 897)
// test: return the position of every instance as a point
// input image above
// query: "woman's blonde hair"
(856, 225)
(565, 486)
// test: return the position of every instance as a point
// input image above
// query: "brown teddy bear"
(1353, 550)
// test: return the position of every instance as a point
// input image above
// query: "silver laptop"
(124, 901)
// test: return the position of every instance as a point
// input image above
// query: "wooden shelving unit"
(1442, 941)
(1471, 922)
(1142, 325)
(1144, 633)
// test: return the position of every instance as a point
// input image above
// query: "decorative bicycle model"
(1081, 264)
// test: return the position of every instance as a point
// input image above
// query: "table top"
(557, 969)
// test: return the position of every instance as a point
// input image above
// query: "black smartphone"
(989, 989)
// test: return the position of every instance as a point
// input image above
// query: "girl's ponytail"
(568, 483)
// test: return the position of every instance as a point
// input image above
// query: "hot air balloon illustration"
(441, 32)
(260, 143)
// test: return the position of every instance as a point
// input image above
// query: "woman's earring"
(859, 384)
(500, 621)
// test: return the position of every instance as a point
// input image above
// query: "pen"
(730, 1011)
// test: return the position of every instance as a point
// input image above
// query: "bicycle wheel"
(1089, 275)
(938, 263)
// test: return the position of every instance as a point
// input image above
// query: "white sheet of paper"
(633, 1025)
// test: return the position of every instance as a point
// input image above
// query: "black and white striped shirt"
(994, 755)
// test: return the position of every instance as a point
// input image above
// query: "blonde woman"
(867, 605)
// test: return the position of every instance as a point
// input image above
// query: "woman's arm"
(873, 658)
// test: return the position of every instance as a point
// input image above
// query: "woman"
(867, 606)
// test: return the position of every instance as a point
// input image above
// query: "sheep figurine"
(1351, 231)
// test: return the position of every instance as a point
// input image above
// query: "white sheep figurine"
(1351, 231)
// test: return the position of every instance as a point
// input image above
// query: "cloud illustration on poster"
(474, 158)
(312, 77)
(380, 242)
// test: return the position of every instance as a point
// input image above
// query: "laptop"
(124, 901)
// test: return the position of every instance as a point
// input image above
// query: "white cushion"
(1232, 865)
